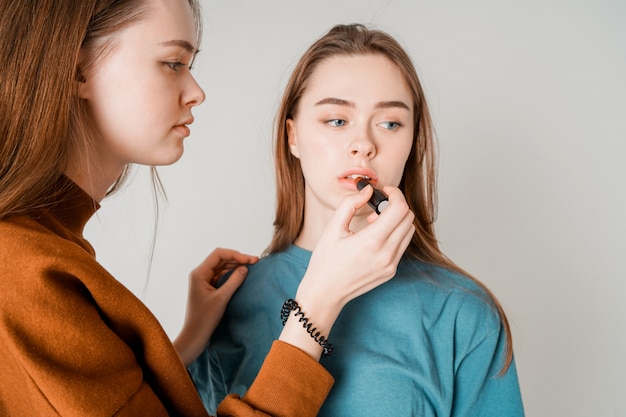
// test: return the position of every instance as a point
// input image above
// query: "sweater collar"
(298, 254)
(75, 207)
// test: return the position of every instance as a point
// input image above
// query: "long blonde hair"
(42, 121)
(419, 177)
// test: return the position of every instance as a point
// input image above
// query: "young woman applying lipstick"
(90, 87)
(433, 341)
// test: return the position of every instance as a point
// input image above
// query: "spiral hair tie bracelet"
(291, 305)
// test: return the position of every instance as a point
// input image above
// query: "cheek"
(313, 147)
(405, 151)
(396, 160)
(113, 116)
(131, 108)
(318, 155)
(112, 95)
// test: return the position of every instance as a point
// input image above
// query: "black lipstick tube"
(378, 201)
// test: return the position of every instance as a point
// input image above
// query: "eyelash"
(396, 125)
(176, 65)
(332, 122)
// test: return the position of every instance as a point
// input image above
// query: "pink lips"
(183, 130)
(183, 127)
(349, 182)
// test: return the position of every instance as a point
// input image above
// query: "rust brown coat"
(75, 342)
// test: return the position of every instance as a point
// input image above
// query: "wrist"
(188, 346)
(301, 331)
(320, 305)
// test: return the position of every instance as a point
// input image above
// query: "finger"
(234, 281)
(221, 255)
(383, 225)
(371, 218)
(401, 237)
(404, 226)
(221, 259)
(347, 209)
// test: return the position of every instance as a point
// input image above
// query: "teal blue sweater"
(427, 343)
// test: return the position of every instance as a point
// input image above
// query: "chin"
(171, 157)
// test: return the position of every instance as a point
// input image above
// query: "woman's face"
(355, 119)
(140, 94)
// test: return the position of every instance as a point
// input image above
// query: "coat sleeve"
(290, 383)
(63, 356)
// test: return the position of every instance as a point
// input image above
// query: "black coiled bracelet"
(288, 307)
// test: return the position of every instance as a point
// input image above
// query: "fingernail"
(362, 184)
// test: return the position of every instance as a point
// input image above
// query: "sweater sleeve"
(479, 389)
(290, 383)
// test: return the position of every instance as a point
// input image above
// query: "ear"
(81, 77)
(83, 90)
(292, 138)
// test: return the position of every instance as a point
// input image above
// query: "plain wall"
(529, 102)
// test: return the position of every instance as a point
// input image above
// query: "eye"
(390, 125)
(336, 122)
(193, 60)
(175, 65)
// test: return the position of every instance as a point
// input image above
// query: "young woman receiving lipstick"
(433, 341)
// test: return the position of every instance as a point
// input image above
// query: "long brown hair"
(419, 177)
(43, 123)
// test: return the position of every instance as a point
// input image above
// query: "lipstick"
(378, 201)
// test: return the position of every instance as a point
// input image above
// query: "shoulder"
(269, 282)
(293, 256)
(441, 277)
(24, 242)
(281, 267)
(456, 296)
(35, 261)
(450, 303)
(42, 232)
(268, 261)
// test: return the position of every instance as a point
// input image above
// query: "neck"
(92, 180)
(314, 225)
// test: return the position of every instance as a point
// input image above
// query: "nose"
(193, 94)
(363, 145)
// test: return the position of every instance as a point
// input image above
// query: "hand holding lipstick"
(378, 201)
(346, 264)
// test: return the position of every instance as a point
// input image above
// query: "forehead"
(368, 77)
(169, 19)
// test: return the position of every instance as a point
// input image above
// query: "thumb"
(348, 207)
(234, 281)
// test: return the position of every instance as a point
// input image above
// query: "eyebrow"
(181, 44)
(379, 105)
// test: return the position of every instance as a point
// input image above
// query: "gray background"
(528, 100)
